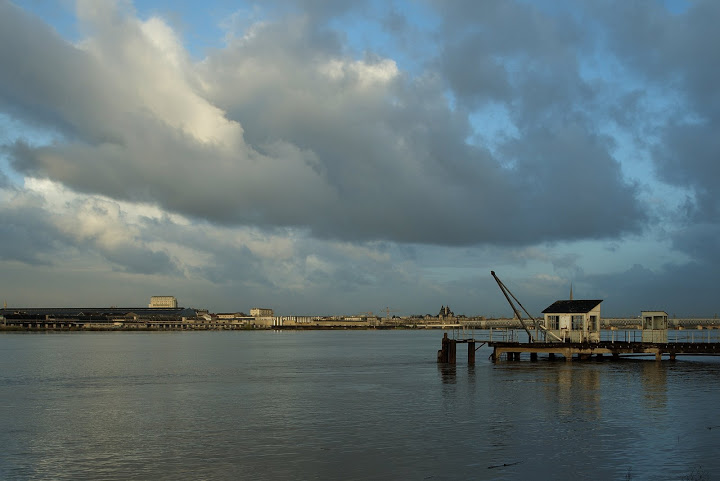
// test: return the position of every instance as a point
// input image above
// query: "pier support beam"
(471, 352)
(533, 356)
(444, 352)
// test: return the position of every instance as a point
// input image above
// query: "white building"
(260, 312)
(574, 321)
(654, 326)
(163, 302)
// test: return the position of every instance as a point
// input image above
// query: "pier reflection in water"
(341, 405)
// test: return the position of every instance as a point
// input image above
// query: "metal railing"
(493, 334)
(692, 336)
(508, 334)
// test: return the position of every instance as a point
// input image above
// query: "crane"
(508, 295)
(387, 312)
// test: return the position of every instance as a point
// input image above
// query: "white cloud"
(292, 163)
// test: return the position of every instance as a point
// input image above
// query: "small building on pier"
(574, 320)
(654, 326)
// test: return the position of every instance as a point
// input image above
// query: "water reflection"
(448, 373)
(319, 405)
(471, 373)
(654, 383)
(578, 391)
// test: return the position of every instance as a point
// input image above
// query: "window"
(577, 323)
(553, 323)
(592, 326)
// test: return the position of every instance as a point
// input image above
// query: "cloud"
(674, 56)
(309, 162)
(38, 231)
(28, 236)
(281, 129)
(4, 181)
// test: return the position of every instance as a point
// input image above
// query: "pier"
(506, 345)
(572, 329)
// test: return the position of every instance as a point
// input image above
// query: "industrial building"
(163, 302)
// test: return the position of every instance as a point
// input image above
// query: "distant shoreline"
(608, 325)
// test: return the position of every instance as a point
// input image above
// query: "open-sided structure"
(654, 326)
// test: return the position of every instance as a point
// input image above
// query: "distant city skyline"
(352, 156)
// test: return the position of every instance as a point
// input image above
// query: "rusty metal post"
(452, 351)
(443, 353)
(471, 352)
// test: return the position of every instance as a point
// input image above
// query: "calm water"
(351, 405)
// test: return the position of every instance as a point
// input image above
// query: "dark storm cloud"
(234, 265)
(402, 168)
(507, 51)
(138, 260)
(700, 241)
(28, 236)
(4, 180)
(281, 129)
(677, 55)
(682, 290)
(46, 81)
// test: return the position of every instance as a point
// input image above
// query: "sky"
(324, 157)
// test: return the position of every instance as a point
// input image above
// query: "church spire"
(571, 297)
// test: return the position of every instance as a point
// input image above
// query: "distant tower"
(571, 291)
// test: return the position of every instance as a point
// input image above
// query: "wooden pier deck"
(512, 350)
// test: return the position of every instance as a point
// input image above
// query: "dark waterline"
(341, 405)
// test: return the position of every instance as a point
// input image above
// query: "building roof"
(579, 306)
(73, 312)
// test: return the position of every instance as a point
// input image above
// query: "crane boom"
(506, 292)
(508, 295)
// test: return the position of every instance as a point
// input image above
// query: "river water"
(343, 405)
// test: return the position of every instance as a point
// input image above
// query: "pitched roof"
(579, 306)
